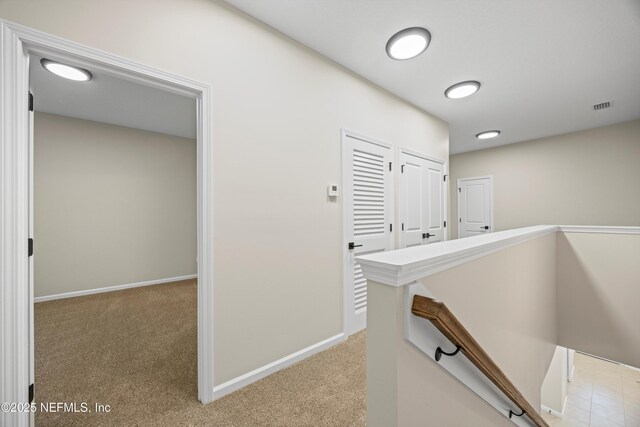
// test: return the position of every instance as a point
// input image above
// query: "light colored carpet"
(135, 350)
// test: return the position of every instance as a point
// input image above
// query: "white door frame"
(346, 328)
(445, 190)
(490, 177)
(16, 43)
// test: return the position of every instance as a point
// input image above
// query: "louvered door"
(368, 213)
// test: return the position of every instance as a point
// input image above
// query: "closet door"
(475, 203)
(421, 200)
(368, 209)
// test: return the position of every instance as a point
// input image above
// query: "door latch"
(353, 246)
(486, 227)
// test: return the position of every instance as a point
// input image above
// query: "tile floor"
(601, 394)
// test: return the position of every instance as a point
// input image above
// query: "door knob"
(353, 245)
(486, 227)
(427, 235)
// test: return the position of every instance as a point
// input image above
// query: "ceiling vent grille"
(602, 106)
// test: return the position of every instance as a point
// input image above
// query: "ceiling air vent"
(602, 106)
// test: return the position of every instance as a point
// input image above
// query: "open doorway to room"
(18, 259)
(114, 212)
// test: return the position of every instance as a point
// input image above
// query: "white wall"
(113, 205)
(278, 109)
(581, 178)
(598, 294)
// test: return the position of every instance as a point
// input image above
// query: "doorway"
(16, 281)
(114, 244)
(475, 206)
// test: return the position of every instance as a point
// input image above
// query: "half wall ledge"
(404, 266)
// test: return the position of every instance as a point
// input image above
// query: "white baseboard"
(266, 370)
(112, 288)
(554, 412)
(573, 370)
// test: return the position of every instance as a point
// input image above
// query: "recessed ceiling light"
(66, 71)
(488, 134)
(462, 89)
(408, 43)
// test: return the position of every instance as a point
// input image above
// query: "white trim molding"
(404, 266)
(633, 368)
(74, 294)
(599, 229)
(16, 43)
(362, 137)
(266, 370)
(14, 225)
(422, 156)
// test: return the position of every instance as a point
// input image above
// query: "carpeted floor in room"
(135, 350)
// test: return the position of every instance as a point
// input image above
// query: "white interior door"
(435, 221)
(367, 211)
(421, 201)
(475, 206)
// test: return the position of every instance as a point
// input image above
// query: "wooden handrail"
(446, 322)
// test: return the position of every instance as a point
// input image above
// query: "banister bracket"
(511, 413)
(440, 352)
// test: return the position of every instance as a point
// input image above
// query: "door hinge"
(390, 227)
(459, 219)
(403, 226)
(459, 190)
(445, 224)
(30, 101)
(30, 247)
(445, 178)
(389, 166)
(31, 393)
(402, 169)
